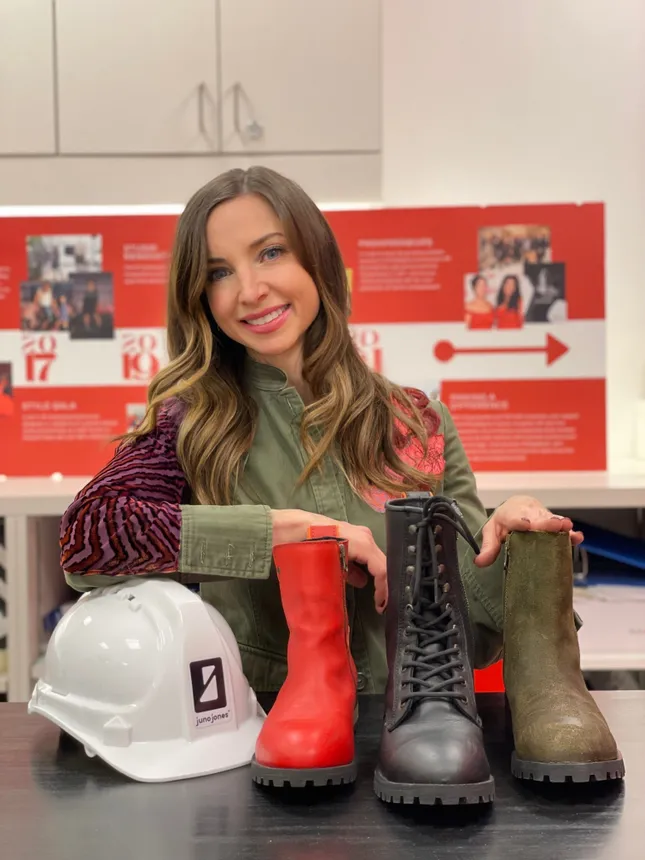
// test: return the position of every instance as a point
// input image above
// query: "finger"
(548, 522)
(539, 520)
(490, 544)
(366, 553)
(356, 577)
(369, 556)
(377, 567)
(380, 594)
(576, 538)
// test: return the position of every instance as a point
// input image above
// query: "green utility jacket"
(229, 548)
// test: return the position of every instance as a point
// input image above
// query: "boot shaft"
(538, 581)
(403, 520)
(538, 604)
(312, 578)
(424, 581)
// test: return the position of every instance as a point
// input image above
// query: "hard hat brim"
(167, 761)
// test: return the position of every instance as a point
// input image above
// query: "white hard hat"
(148, 676)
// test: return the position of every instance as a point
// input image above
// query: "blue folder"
(607, 544)
(613, 559)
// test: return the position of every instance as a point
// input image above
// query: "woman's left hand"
(520, 514)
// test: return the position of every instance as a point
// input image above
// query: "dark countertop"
(57, 803)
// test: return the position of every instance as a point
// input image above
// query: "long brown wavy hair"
(354, 411)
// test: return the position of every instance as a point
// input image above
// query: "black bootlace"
(436, 664)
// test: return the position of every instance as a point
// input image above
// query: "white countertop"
(623, 487)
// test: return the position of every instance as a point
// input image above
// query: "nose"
(253, 288)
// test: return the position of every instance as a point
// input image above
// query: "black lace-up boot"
(431, 750)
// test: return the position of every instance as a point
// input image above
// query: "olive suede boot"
(559, 733)
(431, 749)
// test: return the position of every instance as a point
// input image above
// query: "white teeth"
(268, 317)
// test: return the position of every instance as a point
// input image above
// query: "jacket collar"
(265, 376)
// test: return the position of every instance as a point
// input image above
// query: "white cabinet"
(137, 76)
(300, 75)
(157, 77)
(26, 78)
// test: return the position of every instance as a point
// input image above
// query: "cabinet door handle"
(252, 130)
(201, 95)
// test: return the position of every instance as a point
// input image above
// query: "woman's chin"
(270, 347)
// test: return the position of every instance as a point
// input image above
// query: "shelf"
(622, 488)
(619, 489)
(611, 662)
(37, 497)
(613, 630)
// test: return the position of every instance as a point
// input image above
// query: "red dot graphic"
(443, 350)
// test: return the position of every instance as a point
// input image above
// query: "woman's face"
(509, 288)
(258, 293)
(480, 288)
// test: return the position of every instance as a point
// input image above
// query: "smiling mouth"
(267, 318)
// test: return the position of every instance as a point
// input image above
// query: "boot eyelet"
(412, 529)
(442, 568)
(446, 587)
(449, 608)
(437, 530)
(410, 569)
(438, 547)
(407, 589)
(412, 549)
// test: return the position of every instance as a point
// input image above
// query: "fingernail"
(557, 517)
(526, 520)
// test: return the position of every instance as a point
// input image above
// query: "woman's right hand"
(291, 525)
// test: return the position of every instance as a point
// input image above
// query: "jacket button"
(360, 681)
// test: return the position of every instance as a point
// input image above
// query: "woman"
(6, 400)
(90, 309)
(479, 311)
(508, 313)
(45, 303)
(265, 422)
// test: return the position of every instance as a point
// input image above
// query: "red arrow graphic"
(444, 350)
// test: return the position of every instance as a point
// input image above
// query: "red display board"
(82, 317)
(499, 311)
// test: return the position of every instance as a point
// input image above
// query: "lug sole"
(434, 794)
(279, 777)
(581, 772)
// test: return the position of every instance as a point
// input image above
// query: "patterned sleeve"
(128, 518)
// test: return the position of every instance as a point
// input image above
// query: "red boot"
(308, 736)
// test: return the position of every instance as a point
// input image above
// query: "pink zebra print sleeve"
(127, 520)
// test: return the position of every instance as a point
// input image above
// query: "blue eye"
(216, 275)
(272, 253)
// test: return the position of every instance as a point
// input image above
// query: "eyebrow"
(253, 245)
